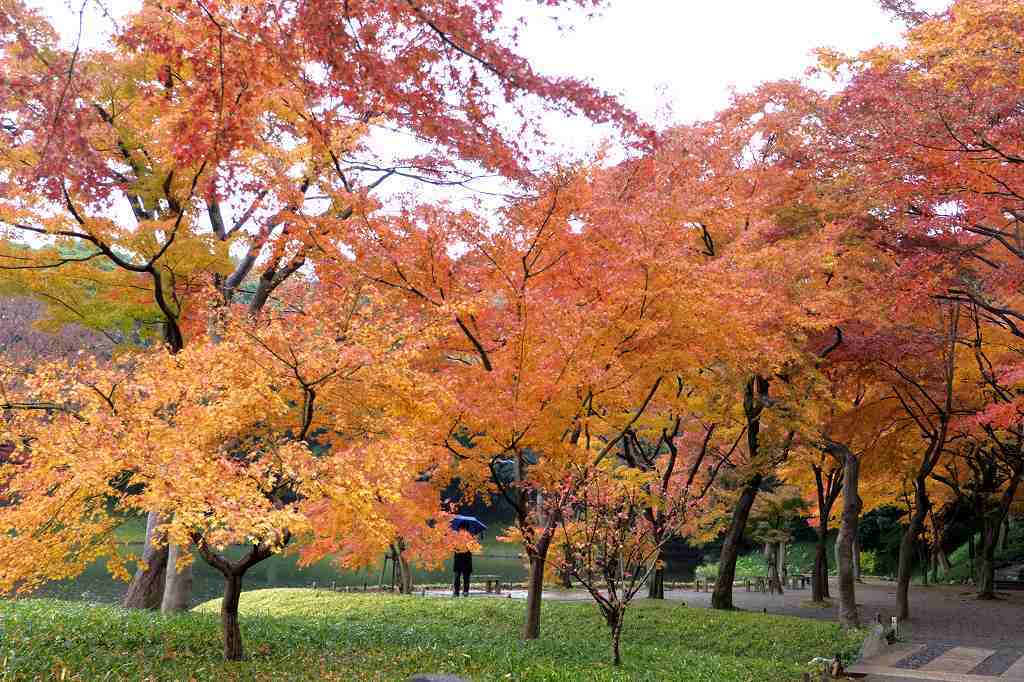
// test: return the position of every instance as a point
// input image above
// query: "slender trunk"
(781, 558)
(535, 589)
(615, 623)
(907, 543)
(721, 598)
(656, 584)
(565, 572)
(819, 579)
(229, 618)
(835, 550)
(856, 558)
(146, 588)
(178, 583)
(925, 559)
(944, 560)
(773, 565)
(848, 616)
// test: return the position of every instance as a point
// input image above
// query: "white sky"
(685, 54)
(669, 60)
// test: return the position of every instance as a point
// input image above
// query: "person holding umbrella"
(463, 563)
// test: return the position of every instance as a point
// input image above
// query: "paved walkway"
(951, 635)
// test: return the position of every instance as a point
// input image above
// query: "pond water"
(497, 558)
(96, 584)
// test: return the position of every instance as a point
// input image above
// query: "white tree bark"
(177, 584)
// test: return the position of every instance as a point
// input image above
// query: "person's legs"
(455, 587)
(465, 584)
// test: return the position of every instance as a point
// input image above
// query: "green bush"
(868, 562)
(747, 566)
(297, 634)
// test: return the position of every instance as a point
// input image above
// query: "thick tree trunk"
(229, 618)
(987, 557)
(535, 589)
(819, 579)
(721, 598)
(404, 574)
(907, 543)
(178, 584)
(147, 587)
(995, 531)
(848, 616)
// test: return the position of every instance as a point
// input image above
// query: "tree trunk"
(404, 574)
(146, 588)
(656, 584)
(535, 589)
(856, 558)
(783, 573)
(987, 556)
(907, 543)
(819, 579)
(178, 584)
(944, 560)
(773, 565)
(229, 618)
(925, 563)
(848, 616)
(565, 571)
(615, 623)
(721, 598)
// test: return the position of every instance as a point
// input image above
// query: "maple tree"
(231, 127)
(293, 427)
(610, 536)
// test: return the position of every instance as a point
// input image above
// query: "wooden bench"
(492, 583)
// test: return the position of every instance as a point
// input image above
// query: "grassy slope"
(799, 559)
(295, 634)
(961, 562)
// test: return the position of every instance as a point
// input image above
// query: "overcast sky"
(669, 60)
(681, 53)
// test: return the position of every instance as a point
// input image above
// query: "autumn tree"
(212, 129)
(256, 439)
(610, 539)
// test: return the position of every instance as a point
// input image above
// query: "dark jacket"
(463, 562)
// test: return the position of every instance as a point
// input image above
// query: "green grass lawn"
(296, 634)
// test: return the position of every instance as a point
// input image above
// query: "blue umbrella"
(468, 523)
